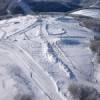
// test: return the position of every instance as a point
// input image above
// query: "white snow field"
(41, 55)
(94, 13)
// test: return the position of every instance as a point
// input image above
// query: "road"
(25, 7)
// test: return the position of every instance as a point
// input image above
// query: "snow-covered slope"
(94, 13)
(41, 55)
(20, 74)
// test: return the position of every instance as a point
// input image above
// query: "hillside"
(52, 55)
(27, 6)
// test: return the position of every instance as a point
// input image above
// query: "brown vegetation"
(83, 92)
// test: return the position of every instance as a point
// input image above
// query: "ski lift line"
(49, 41)
(45, 39)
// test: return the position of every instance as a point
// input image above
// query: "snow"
(41, 55)
(94, 13)
(19, 68)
